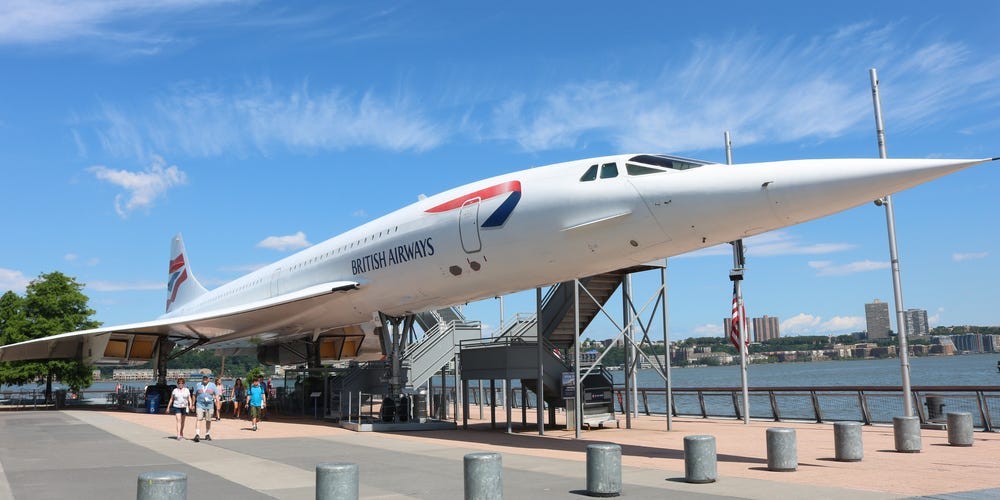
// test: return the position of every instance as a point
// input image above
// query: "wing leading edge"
(137, 342)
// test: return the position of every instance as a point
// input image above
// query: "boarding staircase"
(439, 345)
(511, 352)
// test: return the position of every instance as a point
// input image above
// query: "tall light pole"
(897, 287)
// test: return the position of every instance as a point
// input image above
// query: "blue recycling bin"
(153, 402)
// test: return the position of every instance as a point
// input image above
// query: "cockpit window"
(590, 174)
(663, 161)
(634, 169)
(609, 170)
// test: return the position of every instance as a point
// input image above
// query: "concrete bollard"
(337, 481)
(604, 470)
(700, 459)
(483, 476)
(782, 450)
(960, 429)
(847, 441)
(161, 486)
(906, 431)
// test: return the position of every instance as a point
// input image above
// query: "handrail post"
(816, 408)
(984, 411)
(920, 408)
(645, 402)
(701, 402)
(866, 417)
(736, 407)
(774, 406)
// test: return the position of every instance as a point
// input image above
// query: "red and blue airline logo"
(500, 215)
(178, 274)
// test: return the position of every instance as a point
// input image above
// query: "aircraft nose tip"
(848, 183)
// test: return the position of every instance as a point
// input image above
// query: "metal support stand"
(493, 404)
(576, 360)
(163, 348)
(399, 329)
(540, 390)
(666, 349)
(634, 320)
(629, 349)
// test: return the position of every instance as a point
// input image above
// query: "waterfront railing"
(866, 404)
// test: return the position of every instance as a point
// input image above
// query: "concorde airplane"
(504, 234)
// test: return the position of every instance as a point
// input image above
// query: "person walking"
(219, 393)
(180, 402)
(257, 401)
(204, 393)
(239, 397)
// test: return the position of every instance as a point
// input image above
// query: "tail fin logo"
(178, 274)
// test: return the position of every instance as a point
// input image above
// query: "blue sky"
(255, 128)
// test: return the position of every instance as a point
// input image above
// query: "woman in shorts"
(239, 395)
(180, 402)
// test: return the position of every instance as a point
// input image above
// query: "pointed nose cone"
(807, 189)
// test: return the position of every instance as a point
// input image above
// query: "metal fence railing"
(867, 404)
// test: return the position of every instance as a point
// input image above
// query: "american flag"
(739, 316)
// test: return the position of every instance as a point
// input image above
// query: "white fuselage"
(446, 249)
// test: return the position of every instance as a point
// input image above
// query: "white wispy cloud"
(828, 268)
(708, 330)
(12, 280)
(125, 286)
(800, 323)
(121, 24)
(935, 319)
(285, 243)
(359, 213)
(763, 90)
(961, 257)
(807, 324)
(773, 244)
(203, 121)
(844, 324)
(143, 188)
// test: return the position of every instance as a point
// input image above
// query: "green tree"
(52, 304)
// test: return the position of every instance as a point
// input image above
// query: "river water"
(973, 369)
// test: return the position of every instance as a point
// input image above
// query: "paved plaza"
(88, 454)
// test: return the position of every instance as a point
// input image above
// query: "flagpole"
(737, 278)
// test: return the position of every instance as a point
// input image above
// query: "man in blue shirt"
(257, 400)
(204, 399)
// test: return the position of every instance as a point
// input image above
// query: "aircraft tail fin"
(182, 286)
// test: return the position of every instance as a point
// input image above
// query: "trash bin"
(153, 402)
(935, 408)
(60, 398)
(420, 406)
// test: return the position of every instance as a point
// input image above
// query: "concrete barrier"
(161, 486)
(604, 470)
(847, 441)
(782, 449)
(960, 429)
(700, 459)
(483, 476)
(337, 481)
(906, 431)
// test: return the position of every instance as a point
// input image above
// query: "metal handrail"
(807, 402)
